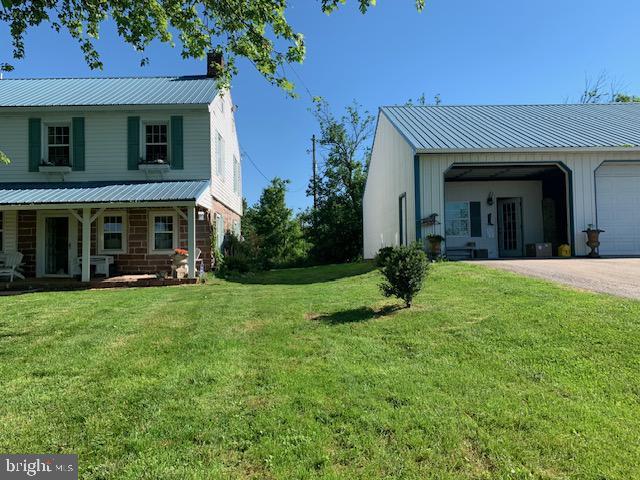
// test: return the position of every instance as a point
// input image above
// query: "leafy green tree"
(4, 160)
(334, 228)
(257, 30)
(272, 229)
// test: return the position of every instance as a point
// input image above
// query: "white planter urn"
(180, 265)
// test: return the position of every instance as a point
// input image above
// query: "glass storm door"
(56, 241)
(510, 227)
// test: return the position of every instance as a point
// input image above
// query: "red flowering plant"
(181, 251)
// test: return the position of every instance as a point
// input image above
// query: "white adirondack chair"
(9, 268)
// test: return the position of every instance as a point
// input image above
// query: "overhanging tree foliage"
(335, 228)
(257, 30)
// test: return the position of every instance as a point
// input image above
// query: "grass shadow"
(304, 276)
(355, 315)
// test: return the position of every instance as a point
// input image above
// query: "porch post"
(86, 244)
(191, 240)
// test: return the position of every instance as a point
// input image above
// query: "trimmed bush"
(382, 256)
(404, 269)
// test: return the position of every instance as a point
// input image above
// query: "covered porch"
(88, 230)
(506, 210)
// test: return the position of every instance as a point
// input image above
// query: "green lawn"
(309, 374)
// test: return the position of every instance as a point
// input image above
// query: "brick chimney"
(215, 62)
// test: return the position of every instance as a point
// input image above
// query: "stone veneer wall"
(27, 240)
(137, 259)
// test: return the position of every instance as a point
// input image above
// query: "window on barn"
(457, 219)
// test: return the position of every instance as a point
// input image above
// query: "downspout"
(417, 196)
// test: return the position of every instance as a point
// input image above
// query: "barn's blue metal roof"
(100, 192)
(57, 92)
(497, 127)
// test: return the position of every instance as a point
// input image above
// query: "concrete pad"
(616, 276)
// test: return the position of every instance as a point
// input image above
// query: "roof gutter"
(427, 151)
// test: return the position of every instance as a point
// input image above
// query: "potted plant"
(435, 244)
(179, 262)
(593, 239)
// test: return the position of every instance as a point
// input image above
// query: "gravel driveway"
(617, 276)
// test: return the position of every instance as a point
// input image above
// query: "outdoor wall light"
(490, 198)
(201, 216)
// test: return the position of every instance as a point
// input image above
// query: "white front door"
(56, 235)
(618, 207)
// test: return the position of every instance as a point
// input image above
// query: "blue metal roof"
(100, 192)
(53, 92)
(497, 127)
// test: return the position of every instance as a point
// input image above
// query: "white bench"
(101, 262)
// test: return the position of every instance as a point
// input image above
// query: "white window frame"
(220, 155)
(143, 137)
(448, 219)
(45, 139)
(152, 230)
(236, 176)
(125, 232)
(236, 228)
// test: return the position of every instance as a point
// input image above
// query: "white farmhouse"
(124, 168)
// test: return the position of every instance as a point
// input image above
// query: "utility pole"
(315, 178)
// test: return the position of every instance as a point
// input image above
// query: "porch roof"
(65, 193)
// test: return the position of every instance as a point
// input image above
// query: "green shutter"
(476, 219)
(77, 130)
(177, 144)
(133, 142)
(35, 144)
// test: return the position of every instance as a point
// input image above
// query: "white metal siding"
(106, 145)
(223, 122)
(582, 166)
(390, 175)
(618, 203)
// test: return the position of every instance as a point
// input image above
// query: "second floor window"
(58, 151)
(220, 156)
(156, 147)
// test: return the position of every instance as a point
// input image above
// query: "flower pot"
(593, 241)
(179, 265)
(435, 247)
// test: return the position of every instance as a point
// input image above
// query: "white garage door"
(618, 202)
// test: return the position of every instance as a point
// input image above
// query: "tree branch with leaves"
(335, 227)
(257, 30)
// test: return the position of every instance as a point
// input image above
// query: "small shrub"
(404, 269)
(237, 263)
(382, 256)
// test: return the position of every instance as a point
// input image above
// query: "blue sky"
(468, 51)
